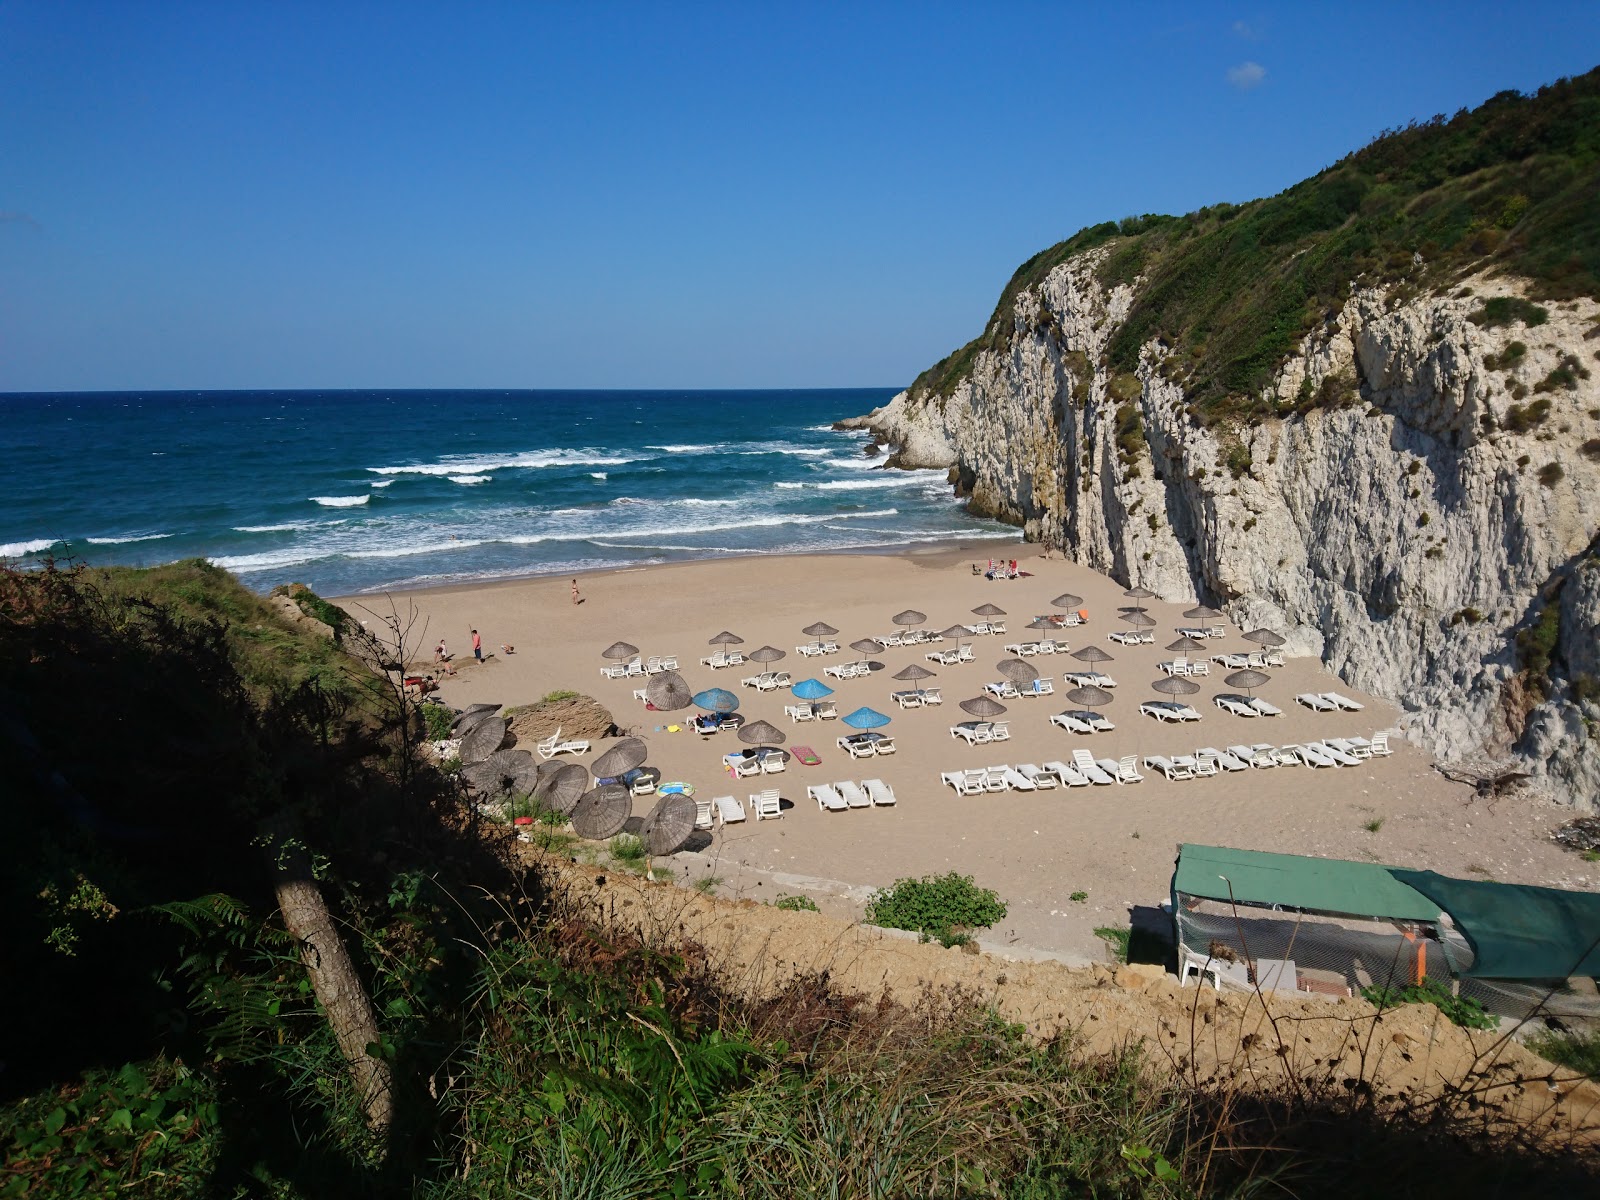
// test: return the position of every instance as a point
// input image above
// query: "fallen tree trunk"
(338, 988)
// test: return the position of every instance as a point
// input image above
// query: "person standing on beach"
(477, 646)
(576, 599)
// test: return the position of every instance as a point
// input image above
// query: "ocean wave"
(406, 551)
(286, 527)
(688, 448)
(530, 460)
(341, 501)
(884, 481)
(469, 479)
(18, 549)
(788, 486)
(598, 475)
(267, 561)
(377, 483)
(697, 502)
(123, 541)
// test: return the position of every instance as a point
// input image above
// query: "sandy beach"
(1115, 844)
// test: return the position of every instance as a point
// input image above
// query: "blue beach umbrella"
(717, 700)
(811, 689)
(865, 718)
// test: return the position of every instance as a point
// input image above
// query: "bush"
(1503, 310)
(1461, 1010)
(1130, 432)
(795, 903)
(1572, 1049)
(1520, 420)
(1551, 474)
(1591, 449)
(436, 721)
(942, 907)
(1238, 460)
(559, 694)
(629, 850)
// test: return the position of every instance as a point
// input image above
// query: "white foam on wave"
(882, 481)
(530, 460)
(341, 501)
(378, 483)
(32, 546)
(127, 538)
(688, 448)
(788, 486)
(286, 527)
(598, 475)
(696, 502)
(468, 480)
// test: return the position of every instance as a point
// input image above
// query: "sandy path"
(1116, 844)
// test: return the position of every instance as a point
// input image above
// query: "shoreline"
(945, 552)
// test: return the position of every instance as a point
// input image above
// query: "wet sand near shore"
(1115, 844)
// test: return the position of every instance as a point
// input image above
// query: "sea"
(363, 491)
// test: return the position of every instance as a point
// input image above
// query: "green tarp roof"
(1328, 885)
(1518, 931)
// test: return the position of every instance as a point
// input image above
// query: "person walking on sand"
(477, 646)
(576, 599)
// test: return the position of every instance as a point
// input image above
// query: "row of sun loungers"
(726, 810)
(977, 732)
(635, 668)
(813, 649)
(1006, 690)
(723, 658)
(1131, 637)
(1083, 771)
(1247, 706)
(866, 745)
(1169, 710)
(950, 657)
(767, 681)
(1330, 752)
(1089, 679)
(1030, 649)
(1256, 660)
(917, 697)
(1328, 702)
(826, 710)
(1182, 666)
(741, 765)
(849, 670)
(837, 797)
(1084, 721)
(1215, 631)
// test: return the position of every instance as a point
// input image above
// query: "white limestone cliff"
(1405, 529)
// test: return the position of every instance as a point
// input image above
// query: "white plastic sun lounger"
(956, 780)
(772, 762)
(1156, 762)
(799, 712)
(1090, 769)
(1255, 756)
(1265, 708)
(1015, 779)
(1125, 770)
(1004, 690)
(703, 814)
(1160, 710)
(855, 796)
(1000, 731)
(995, 779)
(972, 732)
(766, 805)
(827, 710)
(977, 780)
(1037, 775)
(854, 748)
(1039, 687)
(1234, 662)
(1316, 703)
(1340, 758)
(1225, 759)
(1122, 638)
(728, 809)
(1237, 705)
(1068, 775)
(1358, 747)
(1177, 666)
(553, 745)
(881, 794)
(882, 745)
(1071, 723)
(1344, 702)
(1379, 747)
(909, 699)
(1201, 764)
(1309, 756)
(1089, 679)
(827, 797)
(943, 657)
(932, 696)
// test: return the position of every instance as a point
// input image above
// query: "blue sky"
(684, 195)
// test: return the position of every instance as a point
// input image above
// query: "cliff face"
(1428, 489)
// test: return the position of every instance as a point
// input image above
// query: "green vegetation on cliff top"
(1232, 289)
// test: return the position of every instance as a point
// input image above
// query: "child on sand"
(477, 645)
(576, 599)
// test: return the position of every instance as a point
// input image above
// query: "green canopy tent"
(1324, 885)
(1517, 931)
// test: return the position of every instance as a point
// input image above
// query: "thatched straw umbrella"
(620, 758)
(988, 610)
(1092, 654)
(1139, 592)
(669, 825)
(1203, 613)
(667, 691)
(505, 772)
(983, 706)
(1090, 696)
(1067, 600)
(914, 673)
(1248, 680)
(765, 655)
(909, 617)
(1016, 670)
(602, 812)
(762, 733)
(819, 629)
(560, 790)
(865, 646)
(1264, 637)
(620, 650)
(725, 639)
(1188, 645)
(1174, 685)
(1139, 620)
(483, 739)
(472, 714)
